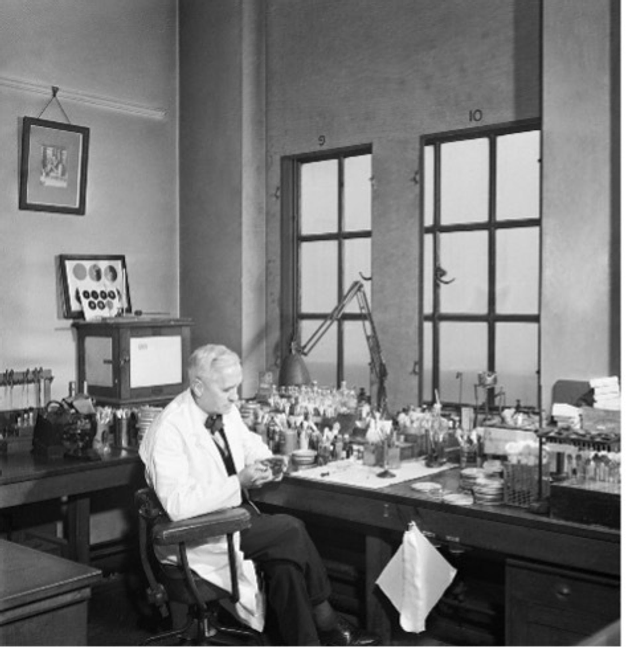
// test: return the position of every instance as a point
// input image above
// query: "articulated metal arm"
(376, 358)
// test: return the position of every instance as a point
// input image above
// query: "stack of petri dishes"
(469, 476)
(488, 491)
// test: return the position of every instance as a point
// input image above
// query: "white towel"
(415, 579)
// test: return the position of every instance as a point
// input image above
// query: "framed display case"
(94, 286)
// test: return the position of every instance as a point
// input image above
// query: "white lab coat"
(185, 469)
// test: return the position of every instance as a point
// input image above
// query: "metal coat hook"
(55, 90)
(364, 277)
(416, 177)
(276, 193)
(440, 274)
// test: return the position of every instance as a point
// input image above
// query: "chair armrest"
(197, 529)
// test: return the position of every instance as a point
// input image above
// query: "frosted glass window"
(465, 181)
(427, 362)
(318, 270)
(517, 359)
(322, 360)
(428, 178)
(463, 354)
(464, 256)
(428, 273)
(319, 192)
(517, 175)
(356, 359)
(517, 271)
(358, 193)
(357, 259)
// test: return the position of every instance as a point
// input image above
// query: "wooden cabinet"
(549, 606)
(127, 361)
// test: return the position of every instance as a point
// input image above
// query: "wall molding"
(84, 98)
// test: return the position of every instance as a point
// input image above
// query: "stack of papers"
(566, 415)
(606, 393)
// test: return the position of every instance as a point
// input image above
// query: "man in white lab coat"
(199, 457)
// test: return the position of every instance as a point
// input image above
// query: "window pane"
(358, 258)
(465, 181)
(518, 175)
(464, 255)
(463, 355)
(428, 178)
(517, 361)
(318, 197)
(517, 271)
(318, 276)
(428, 273)
(356, 357)
(358, 192)
(427, 364)
(322, 361)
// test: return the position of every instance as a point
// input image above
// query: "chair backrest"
(150, 513)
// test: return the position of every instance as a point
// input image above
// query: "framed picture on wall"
(53, 168)
(94, 286)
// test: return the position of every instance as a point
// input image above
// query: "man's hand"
(255, 475)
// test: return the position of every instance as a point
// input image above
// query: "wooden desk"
(43, 598)
(26, 479)
(574, 550)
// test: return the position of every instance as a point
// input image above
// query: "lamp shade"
(293, 371)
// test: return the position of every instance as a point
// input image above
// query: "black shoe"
(344, 633)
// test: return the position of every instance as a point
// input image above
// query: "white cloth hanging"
(415, 579)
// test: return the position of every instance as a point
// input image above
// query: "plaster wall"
(125, 53)
(387, 73)
(580, 300)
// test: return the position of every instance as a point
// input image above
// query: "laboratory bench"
(548, 581)
(555, 583)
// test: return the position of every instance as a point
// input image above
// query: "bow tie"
(214, 422)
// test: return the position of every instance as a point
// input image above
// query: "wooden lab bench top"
(43, 598)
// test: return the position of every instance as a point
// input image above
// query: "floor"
(119, 615)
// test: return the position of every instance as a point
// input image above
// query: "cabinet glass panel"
(356, 369)
(319, 197)
(358, 193)
(464, 257)
(517, 271)
(99, 361)
(517, 175)
(465, 181)
(322, 360)
(517, 359)
(357, 259)
(463, 352)
(318, 263)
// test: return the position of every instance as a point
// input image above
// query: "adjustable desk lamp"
(293, 370)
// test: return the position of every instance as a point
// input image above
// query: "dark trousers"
(292, 569)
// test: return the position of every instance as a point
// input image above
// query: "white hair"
(205, 360)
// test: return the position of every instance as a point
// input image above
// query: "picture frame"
(94, 286)
(53, 166)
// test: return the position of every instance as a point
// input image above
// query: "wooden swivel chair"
(173, 584)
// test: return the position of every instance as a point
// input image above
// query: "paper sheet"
(353, 472)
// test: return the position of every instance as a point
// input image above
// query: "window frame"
(492, 226)
(290, 305)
